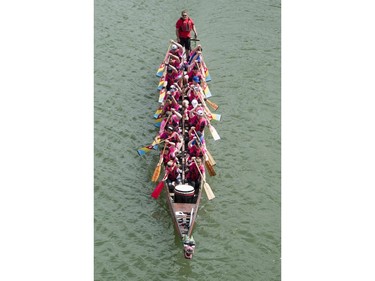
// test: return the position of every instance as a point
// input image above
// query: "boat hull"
(184, 216)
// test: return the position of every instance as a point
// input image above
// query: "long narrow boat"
(186, 148)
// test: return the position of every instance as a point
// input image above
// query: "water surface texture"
(238, 234)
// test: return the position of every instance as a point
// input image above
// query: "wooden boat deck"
(184, 214)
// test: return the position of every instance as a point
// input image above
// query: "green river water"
(238, 234)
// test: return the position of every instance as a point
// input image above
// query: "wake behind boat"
(182, 118)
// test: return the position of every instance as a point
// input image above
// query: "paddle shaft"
(207, 188)
(200, 145)
(196, 164)
(162, 154)
(213, 131)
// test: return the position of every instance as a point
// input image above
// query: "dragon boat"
(184, 156)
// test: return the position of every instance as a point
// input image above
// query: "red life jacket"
(172, 172)
(194, 173)
(200, 124)
(195, 151)
(186, 25)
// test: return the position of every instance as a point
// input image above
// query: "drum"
(184, 193)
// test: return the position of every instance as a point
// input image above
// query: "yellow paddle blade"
(214, 133)
(210, 158)
(156, 174)
(208, 190)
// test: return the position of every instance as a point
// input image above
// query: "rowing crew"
(184, 146)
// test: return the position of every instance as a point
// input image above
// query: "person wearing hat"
(201, 121)
(194, 90)
(193, 116)
(175, 92)
(173, 60)
(194, 103)
(196, 80)
(184, 26)
(197, 119)
(176, 49)
(195, 83)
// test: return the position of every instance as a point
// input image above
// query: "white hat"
(194, 103)
(174, 47)
(200, 112)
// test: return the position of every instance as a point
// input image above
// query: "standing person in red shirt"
(183, 27)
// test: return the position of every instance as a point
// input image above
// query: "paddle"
(210, 158)
(162, 95)
(207, 74)
(158, 122)
(208, 163)
(209, 114)
(207, 187)
(162, 82)
(210, 168)
(213, 131)
(158, 112)
(205, 88)
(212, 104)
(160, 71)
(163, 124)
(157, 170)
(216, 116)
(207, 153)
(143, 150)
(156, 174)
(155, 194)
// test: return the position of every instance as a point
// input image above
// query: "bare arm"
(172, 67)
(195, 31)
(177, 35)
(177, 44)
(175, 57)
(176, 112)
(197, 48)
